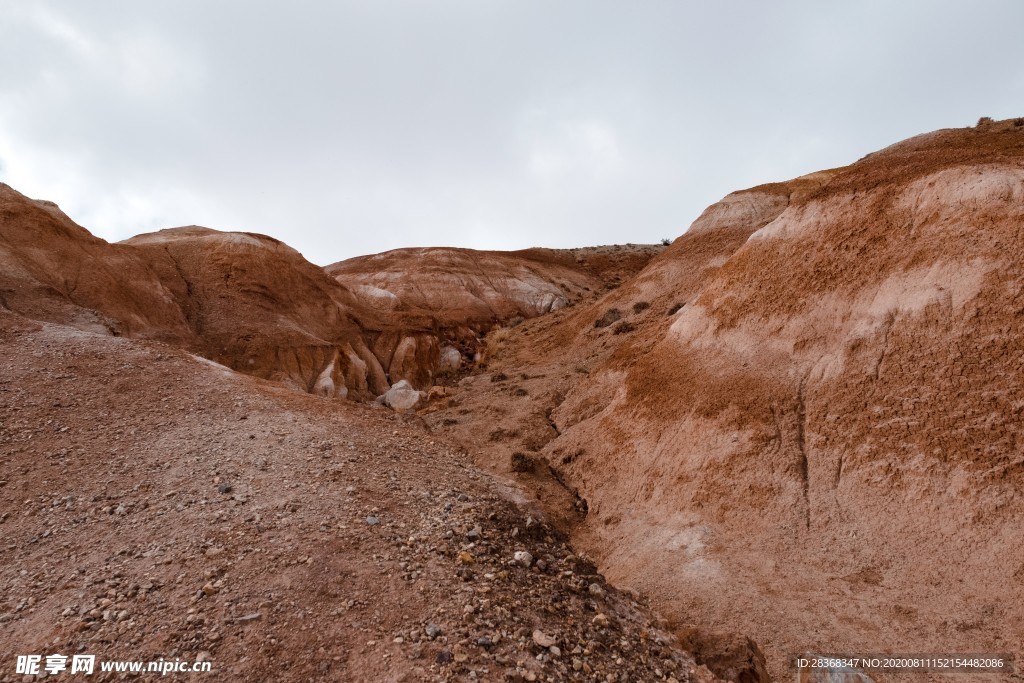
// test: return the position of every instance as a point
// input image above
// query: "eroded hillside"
(819, 446)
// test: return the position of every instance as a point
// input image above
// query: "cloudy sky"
(347, 127)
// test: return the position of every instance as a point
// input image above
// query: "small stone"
(542, 639)
(466, 557)
(600, 620)
(577, 664)
(443, 657)
(522, 558)
(209, 589)
(255, 616)
(372, 520)
(433, 631)
(596, 590)
(224, 487)
(555, 651)
(474, 534)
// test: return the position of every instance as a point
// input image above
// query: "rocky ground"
(158, 505)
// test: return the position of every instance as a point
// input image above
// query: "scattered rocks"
(309, 563)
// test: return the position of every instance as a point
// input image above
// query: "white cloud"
(348, 127)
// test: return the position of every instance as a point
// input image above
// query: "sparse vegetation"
(641, 306)
(610, 316)
(984, 121)
(496, 342)
(519, 391)
(521, 462)
(675, 309)
(665, 241)
(499, 377)
(623, 328)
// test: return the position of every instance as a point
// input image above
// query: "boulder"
(402, 396)
(451, 359)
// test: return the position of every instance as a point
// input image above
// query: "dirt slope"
(820, 449)
(278, 535)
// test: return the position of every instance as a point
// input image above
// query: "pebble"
(372, 521)
(522, 558)
(542, 639)
(433, 631)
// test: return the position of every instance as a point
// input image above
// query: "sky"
(349, 127)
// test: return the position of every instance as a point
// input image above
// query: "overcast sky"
(345, 127)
